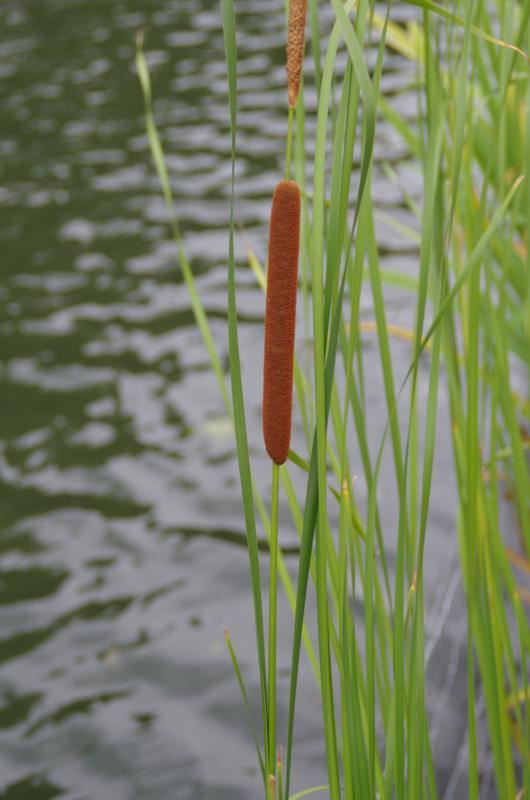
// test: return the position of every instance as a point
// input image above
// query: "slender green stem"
(288, 154)
(273, 604)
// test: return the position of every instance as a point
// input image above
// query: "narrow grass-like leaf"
(244, 693)
(160, 164)
(428, 5)
(227, 11)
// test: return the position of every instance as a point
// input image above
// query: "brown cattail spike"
(295, 48)
(280, 317)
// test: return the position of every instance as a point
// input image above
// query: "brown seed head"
(295, 48)
(280, 317)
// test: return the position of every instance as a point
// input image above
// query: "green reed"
(470, 333)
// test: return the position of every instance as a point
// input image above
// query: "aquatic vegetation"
(278, 365)
(282, 285)
(295, 48)
(469, 341)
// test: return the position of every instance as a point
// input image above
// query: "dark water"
(122, 540)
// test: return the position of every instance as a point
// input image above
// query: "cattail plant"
(280, 315)
(280, 319)
(295, 48)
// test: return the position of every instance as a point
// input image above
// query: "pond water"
(122, 548)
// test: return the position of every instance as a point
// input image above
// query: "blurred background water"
(122, 544)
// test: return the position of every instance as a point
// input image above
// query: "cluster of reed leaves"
(470, 332)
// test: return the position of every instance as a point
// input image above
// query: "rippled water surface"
(122, 540)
